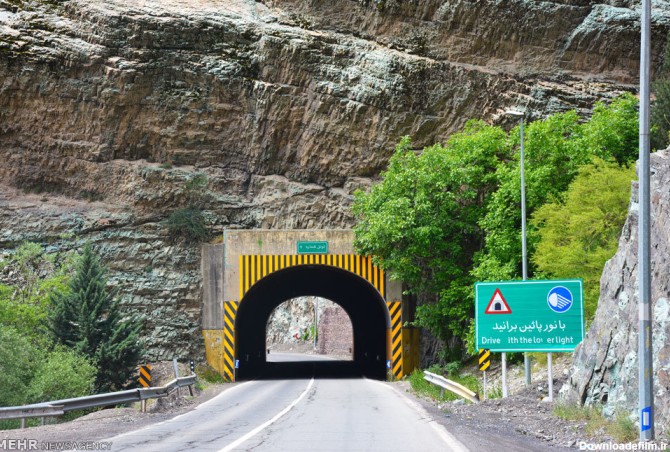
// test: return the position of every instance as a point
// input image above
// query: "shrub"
(187, 224)
(19, 360)
(63, 374)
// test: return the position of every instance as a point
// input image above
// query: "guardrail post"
(23, 422)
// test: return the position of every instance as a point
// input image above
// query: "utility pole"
(645, 375)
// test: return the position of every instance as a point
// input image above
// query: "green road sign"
(543, 316)
(312, 247)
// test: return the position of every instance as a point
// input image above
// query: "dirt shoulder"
(524, 421)
(108, 423)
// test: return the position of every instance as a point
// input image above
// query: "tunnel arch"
(362, 302)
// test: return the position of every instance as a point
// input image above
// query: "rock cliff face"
(108, 109)
(605, 367)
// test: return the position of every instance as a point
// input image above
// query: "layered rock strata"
(110, 109)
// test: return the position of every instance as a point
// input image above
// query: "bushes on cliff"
(578, 235)
(448, 216)
(31, 274)
(85, 317)
(187, 224)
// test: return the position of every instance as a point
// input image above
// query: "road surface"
(298, 415)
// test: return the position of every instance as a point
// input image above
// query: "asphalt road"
(298, 415)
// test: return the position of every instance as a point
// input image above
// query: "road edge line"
(226, 391)
(441, 430)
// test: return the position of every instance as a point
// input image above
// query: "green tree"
(556, 148)
(25, 303)
(62, 374)
(19, 359)
(420, 221)
(577, 236)
(86, 317)
(660, 103)
(612, 133)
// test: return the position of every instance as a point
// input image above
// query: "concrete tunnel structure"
(253, 271)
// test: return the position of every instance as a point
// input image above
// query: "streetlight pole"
(645, 358)
(524, 250)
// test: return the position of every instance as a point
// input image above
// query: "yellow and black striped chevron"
(255, 267)
(395, 312)
(230, 312)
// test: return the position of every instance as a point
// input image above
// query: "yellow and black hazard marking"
(145, 376)
(255, 267)
(484, 359)
(230, 312)
(396, 337)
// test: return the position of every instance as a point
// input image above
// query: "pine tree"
(86, 317)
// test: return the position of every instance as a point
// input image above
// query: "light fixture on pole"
(524, 253)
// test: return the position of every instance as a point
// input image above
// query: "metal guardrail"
(59, 407)
(452, 386)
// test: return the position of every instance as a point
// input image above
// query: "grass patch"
(621, 428)
(208, 373)
(421, 386)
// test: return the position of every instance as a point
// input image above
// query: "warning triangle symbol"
(498, 305)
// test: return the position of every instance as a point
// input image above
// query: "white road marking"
(454, 444)
(265, 425)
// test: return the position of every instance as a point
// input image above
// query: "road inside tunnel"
(361, 301)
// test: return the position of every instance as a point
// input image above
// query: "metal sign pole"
(645, 375)
(504, 375)
(485, 385)
(550, 377)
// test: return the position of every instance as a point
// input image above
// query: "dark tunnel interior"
(361, 301)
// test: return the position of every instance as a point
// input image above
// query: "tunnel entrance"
(361, 301)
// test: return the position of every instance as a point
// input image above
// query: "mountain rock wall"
(605, 365)
(110, 109)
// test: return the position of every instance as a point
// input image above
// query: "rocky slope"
(110, 109)
(605, 367)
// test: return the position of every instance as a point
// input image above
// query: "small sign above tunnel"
(305, 247)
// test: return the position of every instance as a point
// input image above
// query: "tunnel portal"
(361, 301)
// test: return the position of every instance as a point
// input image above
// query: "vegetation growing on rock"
(448, 216)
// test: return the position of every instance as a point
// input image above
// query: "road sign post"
(519, 316)
(523, 316)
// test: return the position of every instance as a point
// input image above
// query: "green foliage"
(421, 219)
(551, 161)
(660, 103)
(422, 387)
(620, 427)
(578, 235)
(187, 224)
(19, 360)
(556, 148)
(613, 131)
(448, 216)
(86, 318)
(25, 304)
(64, 373)
(209, 374)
